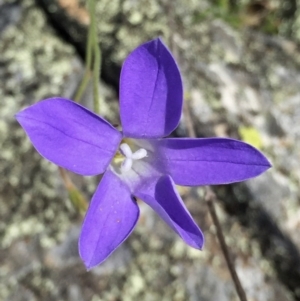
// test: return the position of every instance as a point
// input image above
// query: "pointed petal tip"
(88, 264)
(197, 242)
(158, 40)
(88, 267)
(200, 247)
(196, 245)
(269, 164)
(19, 115)
(263, 160)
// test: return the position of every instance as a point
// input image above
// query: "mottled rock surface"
(239, 82)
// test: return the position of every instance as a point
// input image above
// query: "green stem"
(97, 58)
(88, 60)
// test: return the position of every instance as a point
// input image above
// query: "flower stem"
(93, 61)
(76, 197)
(88, 66)
(97, 57)
(210, 199)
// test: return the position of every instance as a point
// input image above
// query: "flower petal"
(162, 197)
(208, 161)
(111, 217)
(150, 92)
(70, 136)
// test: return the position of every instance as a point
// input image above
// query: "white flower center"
(130, 157)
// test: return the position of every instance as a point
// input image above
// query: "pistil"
(130, 157)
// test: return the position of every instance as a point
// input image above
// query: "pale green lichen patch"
(23, 228)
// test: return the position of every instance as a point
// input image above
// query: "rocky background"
(240, 61)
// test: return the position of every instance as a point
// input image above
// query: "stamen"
(139, 154)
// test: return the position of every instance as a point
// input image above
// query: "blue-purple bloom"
(137, 162)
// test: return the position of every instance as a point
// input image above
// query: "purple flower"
(137, 162)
